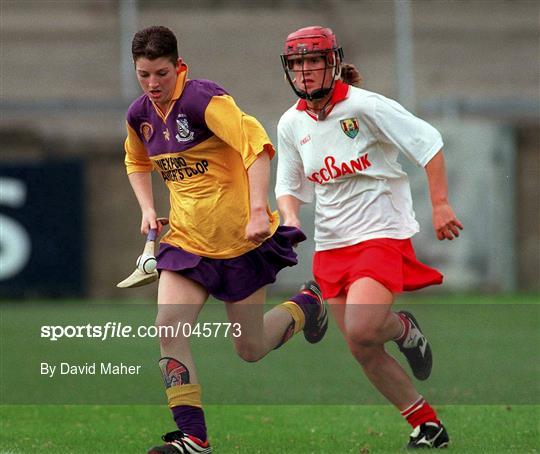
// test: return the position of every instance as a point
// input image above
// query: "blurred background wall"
(69, 223)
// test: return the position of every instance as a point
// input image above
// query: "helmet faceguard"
(303, 44)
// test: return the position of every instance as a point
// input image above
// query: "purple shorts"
(236, 278)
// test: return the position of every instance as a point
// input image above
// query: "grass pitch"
(300, 399)
(264, 429)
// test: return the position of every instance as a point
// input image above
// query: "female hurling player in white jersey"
(338, 146)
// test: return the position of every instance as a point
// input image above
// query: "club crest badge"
(146, 131)
(183, 134)
(350, 127)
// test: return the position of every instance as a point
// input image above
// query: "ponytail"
(350, 75)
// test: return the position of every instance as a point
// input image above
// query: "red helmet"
(309, 40)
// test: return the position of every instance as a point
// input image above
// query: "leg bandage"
(174, 372)
(177, 386)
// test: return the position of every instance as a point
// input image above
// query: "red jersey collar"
(341, 90)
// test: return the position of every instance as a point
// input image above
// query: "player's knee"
(363, 337)
(248, 352)
(167, 332)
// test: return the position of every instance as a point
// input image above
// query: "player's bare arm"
(258, 228)
(141, 182)
(289, 208)
(445, 221)
(192, 164)
(352, 253)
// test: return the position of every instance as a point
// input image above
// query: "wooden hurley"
(139, 278)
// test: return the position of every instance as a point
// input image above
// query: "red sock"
(419, 413)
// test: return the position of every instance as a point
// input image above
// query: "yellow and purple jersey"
(202, 147)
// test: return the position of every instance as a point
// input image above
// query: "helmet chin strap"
(322, 114)
(321, 92)
(318, 93)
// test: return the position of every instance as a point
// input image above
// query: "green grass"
(263, 429)
(300, 399)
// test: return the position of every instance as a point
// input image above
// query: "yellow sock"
(296, 313)
(184, 395)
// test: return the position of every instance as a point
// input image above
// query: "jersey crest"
(182, 129)
(146, 130)
(350, 127)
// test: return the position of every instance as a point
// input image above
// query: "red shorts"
(390, 262)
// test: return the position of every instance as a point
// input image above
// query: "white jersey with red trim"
(349, 162)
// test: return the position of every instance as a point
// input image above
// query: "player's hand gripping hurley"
(145, 272)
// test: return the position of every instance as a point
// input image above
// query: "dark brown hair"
(155, 42)
(350, 75)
